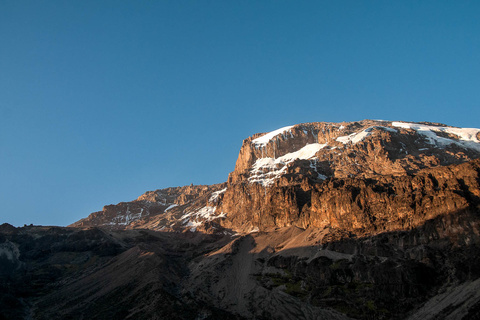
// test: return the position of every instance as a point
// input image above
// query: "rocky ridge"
(160, 210)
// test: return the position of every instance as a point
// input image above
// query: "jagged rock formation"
(159, 210)
(365, 220)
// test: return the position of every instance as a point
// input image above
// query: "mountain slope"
(430, 271)
(363, 220)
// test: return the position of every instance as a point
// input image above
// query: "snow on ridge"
(266, 170)
(266, 138)
(304, 153)
(354, 137)
(263, 140)
(467, 136)
(127, 218)
(359, 136)
(206, 212)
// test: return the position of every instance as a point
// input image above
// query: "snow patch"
(305, 153)
(313, 165)
(196, 218)
(359, 136)
(127, 218)
(205, 212)
(265, 139)
(215, 195)
(467, 136)
(193, 225)
(254, 230)
(221, 215)
(266, 170)
(171, 206)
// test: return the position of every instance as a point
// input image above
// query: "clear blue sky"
(101, 101)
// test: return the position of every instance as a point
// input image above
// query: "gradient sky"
(101, 101)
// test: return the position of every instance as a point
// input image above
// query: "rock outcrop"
(159, 209)
(363, 206)
(367, 176)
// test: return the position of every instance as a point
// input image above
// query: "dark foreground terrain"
(430, 272)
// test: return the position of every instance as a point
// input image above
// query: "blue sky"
(101, 101)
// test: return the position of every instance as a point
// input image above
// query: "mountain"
(367, 220)
(361, 176)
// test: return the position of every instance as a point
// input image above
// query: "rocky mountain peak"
(365, 148)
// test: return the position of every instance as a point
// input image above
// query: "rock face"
(363, 206)
(364, 220)
(367, 176)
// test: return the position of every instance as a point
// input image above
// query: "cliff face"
(386, 203)
(367, 176)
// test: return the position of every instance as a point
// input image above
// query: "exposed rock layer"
(364, 206)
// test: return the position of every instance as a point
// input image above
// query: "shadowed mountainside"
(287, 273)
